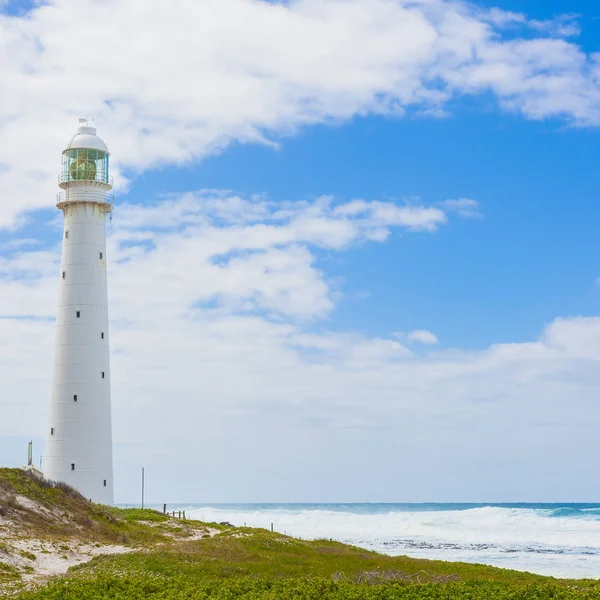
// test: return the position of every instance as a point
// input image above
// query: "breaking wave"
(558, 540)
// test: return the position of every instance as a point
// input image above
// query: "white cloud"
(221, 367)
(220, 359)
(423, 336)
(171, 86)
(18, 243)
(562, 26)
(465, 207)
(577, 337)
(250, 265)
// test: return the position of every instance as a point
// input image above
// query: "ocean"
(562, 540)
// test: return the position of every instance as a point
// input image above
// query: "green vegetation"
(259, 553)
(241, 563)
(143, 587)
(140, 514)
(256, 564)
(67, 515)
(27, 555)
(8, 573)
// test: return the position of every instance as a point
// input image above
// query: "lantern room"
(86, 158)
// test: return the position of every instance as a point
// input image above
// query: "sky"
(354, 253)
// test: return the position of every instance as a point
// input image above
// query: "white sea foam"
(518, 538)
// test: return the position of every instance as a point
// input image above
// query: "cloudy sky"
(355, 250)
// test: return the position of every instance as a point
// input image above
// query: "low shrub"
(153, 586)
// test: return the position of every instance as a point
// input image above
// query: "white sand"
(55, 558)
(39, 559)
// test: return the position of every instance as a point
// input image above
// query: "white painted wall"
(80, 431)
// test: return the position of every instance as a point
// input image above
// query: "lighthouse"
(79, 446)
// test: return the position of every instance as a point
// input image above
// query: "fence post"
(164, 509)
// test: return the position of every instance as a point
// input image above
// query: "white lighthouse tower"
(79, 448)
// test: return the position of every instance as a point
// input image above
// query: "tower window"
(102, 374)
(72, 466)
(100, 254)
(64, 274)
(105, 483)
(78, 314)
(67, 234)
(102, 335)
(51, 430)
(74, 397)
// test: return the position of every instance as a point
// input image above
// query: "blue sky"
(500, 275)
(206, 140)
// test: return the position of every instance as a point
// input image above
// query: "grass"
(157, 588)
(248, 564)
(260, 553)
(59, 517)
(140, 514)
(257, 564)
(70, 516)
(8, 573)
(27, 555)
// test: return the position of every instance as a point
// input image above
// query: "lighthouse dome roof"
(85, 137)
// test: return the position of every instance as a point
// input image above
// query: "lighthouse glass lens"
(83, 168)
(82, 164)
